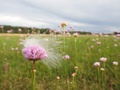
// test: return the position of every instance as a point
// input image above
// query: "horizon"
(71, 30)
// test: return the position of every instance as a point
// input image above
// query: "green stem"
(64, 38)
(33, 75)
(75, 48)
(115, 72)
(104, 64)
(67, 83)
(103, 81)
(2, 30)
(57, 85)
(73, 82)
(33, 81)
(98, 75)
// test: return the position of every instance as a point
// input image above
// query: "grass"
(15, 70)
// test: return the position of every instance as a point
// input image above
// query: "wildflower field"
(89, 62)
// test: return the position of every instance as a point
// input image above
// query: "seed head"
(102, 69)
(63, 24)
(44, 49)
(74, 74)
(34, 71)
(76, 67)
(58, 78)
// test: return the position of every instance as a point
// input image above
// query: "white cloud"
(90, 15)
(14, 20)
(113, 29)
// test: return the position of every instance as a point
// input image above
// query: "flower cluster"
(67, 57)
(103, 59)
(34, 52)
(96, 64)
(115, 63)
(75, 34)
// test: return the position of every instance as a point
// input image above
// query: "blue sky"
(83, 15)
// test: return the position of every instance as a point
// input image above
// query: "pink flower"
(106, 35)
(96, 64)
(1, 26)
(93, 40)
(103, 59)
(99, 43)
(34, 52)
(19, 30)
(115, 45)
(100, 34)
(75, 34)
(12, 49)
(67, 57)
(16, 48)
(92, 46)
(115, 63)
(118, 35)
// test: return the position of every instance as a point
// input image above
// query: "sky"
(99, 16)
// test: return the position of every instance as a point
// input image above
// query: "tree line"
(26, 30)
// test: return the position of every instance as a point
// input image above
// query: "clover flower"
(93, 40)
(100, 34)
(74, 74)
(118, 35)
(106, 35)
(1, 26)
(92, 46)
(67, 57)
(34, 52)
(19, 30)
(99, 43)
(96, 64)
(115, 45)
(115, 63)
(103, 59)
(16, 48)
(12, 49)
(75, 34)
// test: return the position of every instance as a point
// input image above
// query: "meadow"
(93, 64)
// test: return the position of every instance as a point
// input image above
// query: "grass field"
(78, 73)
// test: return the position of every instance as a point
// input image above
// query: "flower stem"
(33, 66)
(64, 37)
(103, 81)
(73, 82)
(33, 75)
(98, 72)
(75, 48)
(33, 81)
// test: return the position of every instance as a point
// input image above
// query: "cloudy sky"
(83, 15)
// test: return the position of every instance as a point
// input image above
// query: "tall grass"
(15, 70)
